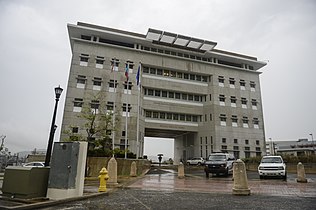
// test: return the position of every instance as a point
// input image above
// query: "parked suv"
(196, 161)
(272, 166)
(219, 163)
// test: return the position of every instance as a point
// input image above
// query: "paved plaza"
(162, 189)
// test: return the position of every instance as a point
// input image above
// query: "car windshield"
(271, 160)
(217, 157)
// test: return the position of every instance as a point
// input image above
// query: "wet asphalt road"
(142, 198)
(148, 199)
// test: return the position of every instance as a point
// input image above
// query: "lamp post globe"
(58, 91)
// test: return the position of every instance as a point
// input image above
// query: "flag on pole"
(126, 71)
(138, 75)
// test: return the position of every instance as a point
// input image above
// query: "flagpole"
(138, 108)
(113, 132)
(126, 109)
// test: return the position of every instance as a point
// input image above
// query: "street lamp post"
(312, 142)
(58, 91)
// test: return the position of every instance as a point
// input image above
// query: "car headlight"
(281, 168)
(260, 168)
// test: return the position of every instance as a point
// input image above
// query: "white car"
(272, 166)
(34, 164)
(196, 161)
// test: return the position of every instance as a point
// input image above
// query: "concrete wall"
(95, 164)
(291, 167)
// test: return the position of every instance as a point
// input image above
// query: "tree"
(98, 126)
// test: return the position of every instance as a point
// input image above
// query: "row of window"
(167, 52)
(174, 95)
(225, 141)
(171, 116)
(97, 83)
(233, 102)
(234, 121)
(232, 83)
(95, 105)
(100, 60)
(174, 74)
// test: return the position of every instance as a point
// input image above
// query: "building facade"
(207, 100)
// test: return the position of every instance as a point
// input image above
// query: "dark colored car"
(219, 163)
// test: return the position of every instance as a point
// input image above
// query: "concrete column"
(301, 177)
(133, 169)
(112, 169)
(240, 179)
(181, 171)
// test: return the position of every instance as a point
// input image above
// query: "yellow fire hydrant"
(103, 177)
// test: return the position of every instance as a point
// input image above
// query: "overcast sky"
(35, 54)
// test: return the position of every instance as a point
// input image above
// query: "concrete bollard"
(301, 177)
(133, 169)
(112, 167)
(240, 178)
(181, 171)
(103, 177)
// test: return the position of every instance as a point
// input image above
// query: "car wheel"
(284, 177)
(207, 174)
(226, 173)
(261, 177)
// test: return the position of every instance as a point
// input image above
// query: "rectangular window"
(148, 114)
(224, 140)
(177, 95)
(173, 73)
(252, 86)
(128, 107)
(244, 103)
(182, 117)
(152, 71)
(188, 118)
(194, 118)
(78, 102)
(169, 116)
(233, 101)
(164, 94)
(175, 116)
(222, 118)
(222, 100)
(179, 75)
(75, 130)
(204, 78)
(109, 106)
(231, 82)
(221, 81)
(94, 105)
(236, 148)
(171, 94)
(81, 81)
(145, 70)
(186, 76)
(247, 142)
(111, 85)
(162, 115)
(242, 84)
(159, 72)
(184, 96)
(97, 83)
(130, 85)
(84, 58)
(254, 104)
(196, 98)
(234, 121)
(99, 60)
(256, 123)
(235, 141)
(192, 76)
(198, 78)
(155, 115)
(157, 93)
(150, 92)
(245, 122)
(257, 142)
(190, 97)
(166, 73)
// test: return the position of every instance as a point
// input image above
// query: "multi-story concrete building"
(207, 99)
